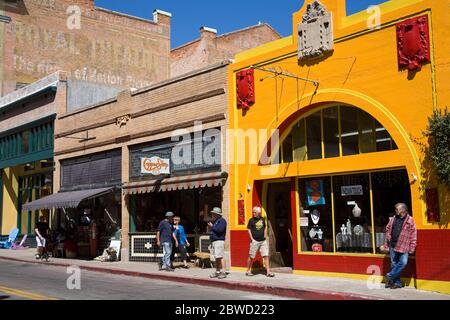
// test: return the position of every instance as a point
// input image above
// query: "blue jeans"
(398, 264)
(167, 250)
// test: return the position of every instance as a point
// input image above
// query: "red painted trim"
(433, 255)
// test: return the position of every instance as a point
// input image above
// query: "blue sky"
(225, 16)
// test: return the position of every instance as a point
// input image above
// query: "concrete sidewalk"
(288, 285)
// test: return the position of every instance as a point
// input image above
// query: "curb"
(230, 285)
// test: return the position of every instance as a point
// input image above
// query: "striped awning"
(214, 179)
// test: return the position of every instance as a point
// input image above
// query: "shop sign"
(352, 191)
(155, 166)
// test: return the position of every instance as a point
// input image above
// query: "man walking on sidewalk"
(257, 230)
(218, 232)
(165, 237)
(401, 236)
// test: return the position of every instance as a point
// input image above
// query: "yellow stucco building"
(350, 97)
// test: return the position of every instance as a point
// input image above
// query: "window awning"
(64, 199)
(214, 179)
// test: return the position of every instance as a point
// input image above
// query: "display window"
(316, 216)
(193, 206)
(349, 213)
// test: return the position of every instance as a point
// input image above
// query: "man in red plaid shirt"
(401, 235)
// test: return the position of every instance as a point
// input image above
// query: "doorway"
(280, 224)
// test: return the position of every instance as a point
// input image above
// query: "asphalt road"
(19, 281)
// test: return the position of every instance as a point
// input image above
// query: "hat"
(217, 211)
(170, 214)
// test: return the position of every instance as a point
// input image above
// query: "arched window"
(336, 131)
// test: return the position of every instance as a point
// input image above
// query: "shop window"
(316, 218)
(352, 213)
(389, 188)
(314, 136)
(331, 132)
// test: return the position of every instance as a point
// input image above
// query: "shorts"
(40, 243)
(218, 249)
(262, 246)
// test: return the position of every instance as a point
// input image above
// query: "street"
(19, 281)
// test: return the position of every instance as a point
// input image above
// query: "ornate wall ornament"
(245, 88)
(413, 42)
(315, 33)
(122, 121)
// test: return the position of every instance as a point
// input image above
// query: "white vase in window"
(357, 211)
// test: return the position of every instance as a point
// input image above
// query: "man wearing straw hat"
(218, 233)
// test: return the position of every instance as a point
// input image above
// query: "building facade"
(343, 104)
(211, 48)
(42, 37)
(137, 133)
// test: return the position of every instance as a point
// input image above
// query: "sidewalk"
(286, 285)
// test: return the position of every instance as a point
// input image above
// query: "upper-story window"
(332, 132)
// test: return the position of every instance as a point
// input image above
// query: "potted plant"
(70, 248)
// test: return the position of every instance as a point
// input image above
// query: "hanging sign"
(155, 166)
(352, 191)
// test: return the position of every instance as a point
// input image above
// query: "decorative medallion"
(315, 33)
(245, 87)
(413, 43)
(122, 121)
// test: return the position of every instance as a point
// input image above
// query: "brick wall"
(43, 37)
(210, 48)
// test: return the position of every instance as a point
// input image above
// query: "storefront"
(190, 188)
(26, 167)
(86, 211)
(343, 119)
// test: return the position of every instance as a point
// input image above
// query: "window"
(316, 218)
(314, 136)
(335, 132)
(349, 133)
(352, 213)
(331, 132)
(345, 202)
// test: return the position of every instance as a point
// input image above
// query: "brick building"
(211, 48)
(40, 37)
(102, 147)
